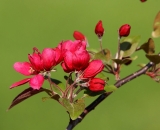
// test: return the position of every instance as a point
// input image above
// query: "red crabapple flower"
(99, 30)
(39, 65)
(87, 76)
(75, 55)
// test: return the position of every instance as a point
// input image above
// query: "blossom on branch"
(94, 67)
(37, 67)
(78, 36)
(99, 30)
(96, 84)
(75, 55)
(124, 30)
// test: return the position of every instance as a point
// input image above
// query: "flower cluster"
(73, 57)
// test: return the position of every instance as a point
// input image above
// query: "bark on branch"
(103, 96)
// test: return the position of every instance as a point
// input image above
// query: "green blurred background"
(44, 23)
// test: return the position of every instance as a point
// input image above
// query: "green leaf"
(103, 55)
(59, 84)
(89, 93)
(74, 109)
(156, 26)
(124, 60)
(128, 45)
(141, 65)
(102, 76)
(149, 46)
(62, 86)
(92, 50)
(55, 97)
(110, 88)
(155, 58)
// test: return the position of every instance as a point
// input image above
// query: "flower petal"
(48, 56)
(23, 68)
(24, 81)
(94, 67)
(36, 82)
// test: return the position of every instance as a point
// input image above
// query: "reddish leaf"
(26, 94)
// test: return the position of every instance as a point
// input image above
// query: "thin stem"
(50, 84)
(119, 38)
(109, 68)
(55, 85)
(103, 96)
(68, 88)
(100, 41)
(79, 90)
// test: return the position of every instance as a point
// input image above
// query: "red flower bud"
(143, 0)
(96, 84)
(78, 36)
(124, 30)
(94, 67)
(99, 30)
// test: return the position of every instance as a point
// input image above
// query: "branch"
(103, 96)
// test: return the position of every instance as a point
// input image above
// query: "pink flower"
(124, 30)
(72, 46)
(36, 60)
(96, 84)
(74, 54)
(94, 67)
(99, 30)
(39, 64)
(77, 60)
(58, 55)
(78, 36)
(25, 68)
(48, 56)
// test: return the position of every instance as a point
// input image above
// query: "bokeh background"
(44, 23)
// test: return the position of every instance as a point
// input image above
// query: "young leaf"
(102, 76)
(89, 93)
(55, 97)
(59, 84)
(74, 109)
(110, 88)
(29, 92)
(141, 65)
(149, 46)
(103, 55)
(125, 60)
(129, 45)
(154, 58)
(156, 26)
